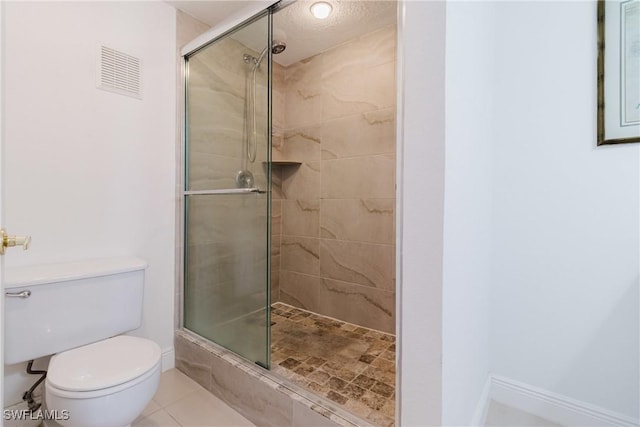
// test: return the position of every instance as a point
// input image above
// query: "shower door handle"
(225, 191)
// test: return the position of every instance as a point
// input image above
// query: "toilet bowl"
(77, 312)
(92, 381)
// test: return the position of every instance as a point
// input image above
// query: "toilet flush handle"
(23, 294)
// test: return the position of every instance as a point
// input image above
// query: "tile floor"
(499, 415)
(180, 401)
(352, 366)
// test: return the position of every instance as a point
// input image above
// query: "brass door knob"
(10, 241)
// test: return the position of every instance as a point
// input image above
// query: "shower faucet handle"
(11, 241)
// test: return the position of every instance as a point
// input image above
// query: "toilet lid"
(103, 364)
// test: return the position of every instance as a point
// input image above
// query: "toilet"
(77, 312)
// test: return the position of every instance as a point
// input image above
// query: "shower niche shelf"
(284, 163)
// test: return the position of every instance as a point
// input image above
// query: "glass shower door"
(226, 194)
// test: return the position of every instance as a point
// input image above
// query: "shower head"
(278, 47)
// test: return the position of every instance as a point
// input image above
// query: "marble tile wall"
(277, 137)
(336, 209)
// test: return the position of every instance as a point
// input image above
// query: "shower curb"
(256, 393)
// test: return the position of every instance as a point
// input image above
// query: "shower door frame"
(217, 33)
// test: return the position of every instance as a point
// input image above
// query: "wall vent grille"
(120, 73)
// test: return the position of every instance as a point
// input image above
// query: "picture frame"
(618, 111)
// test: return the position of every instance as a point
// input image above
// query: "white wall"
(420, 199)
(90, 173)
(565, 310)
(470, 62)
(2, 138)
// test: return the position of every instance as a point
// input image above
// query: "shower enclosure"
(226, 195)
(311, 297)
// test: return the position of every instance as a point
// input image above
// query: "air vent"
(119, 73)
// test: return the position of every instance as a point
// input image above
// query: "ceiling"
(304, 34)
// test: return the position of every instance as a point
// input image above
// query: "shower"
(288, 268)
(244, 178)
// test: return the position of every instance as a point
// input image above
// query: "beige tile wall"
(277, 139)
(335, 211)
(333, 215)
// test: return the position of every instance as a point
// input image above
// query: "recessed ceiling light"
(321, 9)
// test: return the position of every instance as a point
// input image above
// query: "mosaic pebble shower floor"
(352, 366)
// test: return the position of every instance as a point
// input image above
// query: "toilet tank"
(70, 305)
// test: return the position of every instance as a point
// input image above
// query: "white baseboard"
(554, 407)
(480, 414)
(168, 359)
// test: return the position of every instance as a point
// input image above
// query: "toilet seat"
(103, 368)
